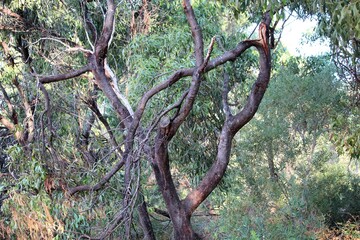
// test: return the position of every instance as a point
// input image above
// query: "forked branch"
(231, 126)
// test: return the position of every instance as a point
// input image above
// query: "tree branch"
(46, 111)
(195, 31)
(97, 62)
(11, 111)
(102, 44)
(7, 123)
(117, 90)
(101, 183)
(179, 74)
(89, 26)
(65, 76)
(193, 91)
(227, 56)
(231, 126)
(225, 93)
(29, 120)
(93, 106)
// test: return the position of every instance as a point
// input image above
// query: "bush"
(336, 194)
(275, 215)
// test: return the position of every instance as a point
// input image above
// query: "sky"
(292, 37)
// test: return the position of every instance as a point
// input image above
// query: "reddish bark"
(180, 211)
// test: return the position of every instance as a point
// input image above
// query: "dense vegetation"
(173, 119)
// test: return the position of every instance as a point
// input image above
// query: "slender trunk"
(84, 139)
(270, 158)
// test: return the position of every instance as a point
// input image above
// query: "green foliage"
(35, 209)
(275, 215)
(347, 134)
(334, 192)
(292, 127)
(255, 8)
(337, 20)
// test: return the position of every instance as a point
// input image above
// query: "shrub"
(336, 194)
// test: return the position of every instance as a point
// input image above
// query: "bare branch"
(61, 77)
(177, 104)
(193, 91)
(161, 212)
(93, 106)
(103, 82)
(207, 58)
(97, 61)
(256, 94)
(253, 31)
(12, 127)
(195, 31)
(176, 76)
(281, 31)
(168, 83)
(7, 123)
(65, 43)
(145, 221)
(88, 25)
(48, 114)
(228, 56)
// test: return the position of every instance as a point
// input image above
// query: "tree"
(336, 22)
(291, 138)
(96, 44)
(153, 140)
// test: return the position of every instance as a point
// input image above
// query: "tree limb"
(193, 91)
(29, 120)
(61, 77)
(101, 183)
(101, 46)
(117, 90)
(179, 74)
(11, 111)
(195, 31)
(93, 106)
(231, 126)
(225, 92)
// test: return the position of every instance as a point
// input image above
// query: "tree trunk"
(183, 229)
(179, 218)
(145, 222)
(270, 158)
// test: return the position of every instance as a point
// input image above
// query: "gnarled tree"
(142, 140)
